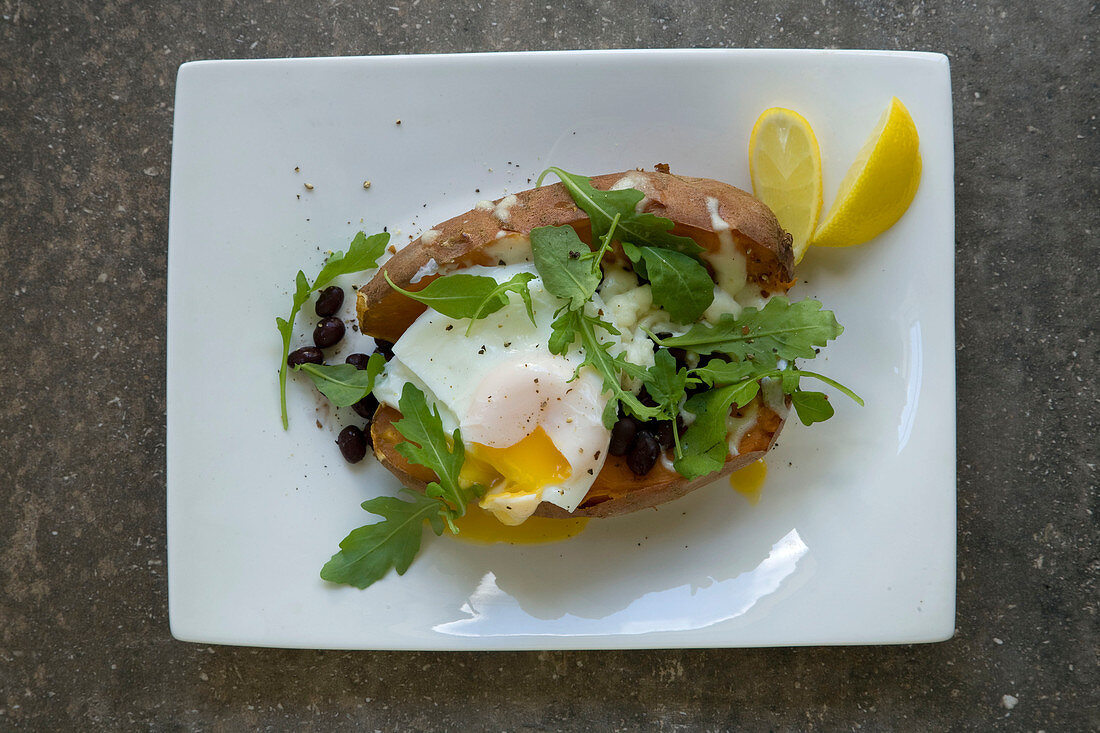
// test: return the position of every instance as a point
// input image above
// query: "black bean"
(622, 436)
(305, 355)
(385, 348)
(353, 444)
(328, 332)
(329, 301)
(366, 406)
(643, 456)
(359, 361)
(662, 430)
(680, 355)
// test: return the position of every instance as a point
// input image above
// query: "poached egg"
(532, 432)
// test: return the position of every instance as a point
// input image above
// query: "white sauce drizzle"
(772, 390)
(429, 268)
(430, 237)
(635, 181)
(729, 263)
(736, 427)
(504, 209)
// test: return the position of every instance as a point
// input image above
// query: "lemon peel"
(880, 184)
(785, 167)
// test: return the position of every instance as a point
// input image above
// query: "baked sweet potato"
(702, 209)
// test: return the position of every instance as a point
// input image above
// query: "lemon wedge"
(785, 167)
(879, 186)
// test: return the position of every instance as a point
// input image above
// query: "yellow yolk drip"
(481, 527)
(749, 480)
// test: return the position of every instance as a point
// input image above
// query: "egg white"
(500, 383)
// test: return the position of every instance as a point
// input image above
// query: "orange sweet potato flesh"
(460, 242)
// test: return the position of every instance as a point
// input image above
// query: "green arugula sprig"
(362, 254)
(705, 448)
(571, 271)
(344, 384)
(666, 383)
(576, 325)
(679, 281)
(470, 296)
(779, 330)
(566, 264)
(752, 346)
(640, 229)
(369, 552)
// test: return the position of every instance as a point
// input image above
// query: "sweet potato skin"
(460, 242)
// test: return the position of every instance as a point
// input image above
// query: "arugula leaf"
(518, 284)
(667, 386)
(780, 330)
(560, 258)
(705, 445)
(744, 392)
(470, 296)
(369, 552)
(641, 229)
(362, 254)
(719, 373)
(427, 445)
(680, 284)
(666, 383)
(576, 325)
(457, 296)
(811, 406)
(343, 384)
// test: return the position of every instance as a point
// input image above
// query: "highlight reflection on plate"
(493, 612)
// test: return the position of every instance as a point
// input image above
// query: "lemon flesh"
(879, 186)
(785, 167)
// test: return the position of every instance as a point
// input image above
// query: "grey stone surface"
(86, 92)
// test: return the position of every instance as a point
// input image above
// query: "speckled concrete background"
(86, 94)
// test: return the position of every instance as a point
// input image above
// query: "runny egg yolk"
(528, 465)
(518, 471)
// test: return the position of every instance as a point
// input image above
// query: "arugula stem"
(605, 245)
(835, 384)
(609, 371)
(282, 393)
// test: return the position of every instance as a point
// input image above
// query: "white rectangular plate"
(853, 541)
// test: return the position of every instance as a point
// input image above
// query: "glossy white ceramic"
(853, 541)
